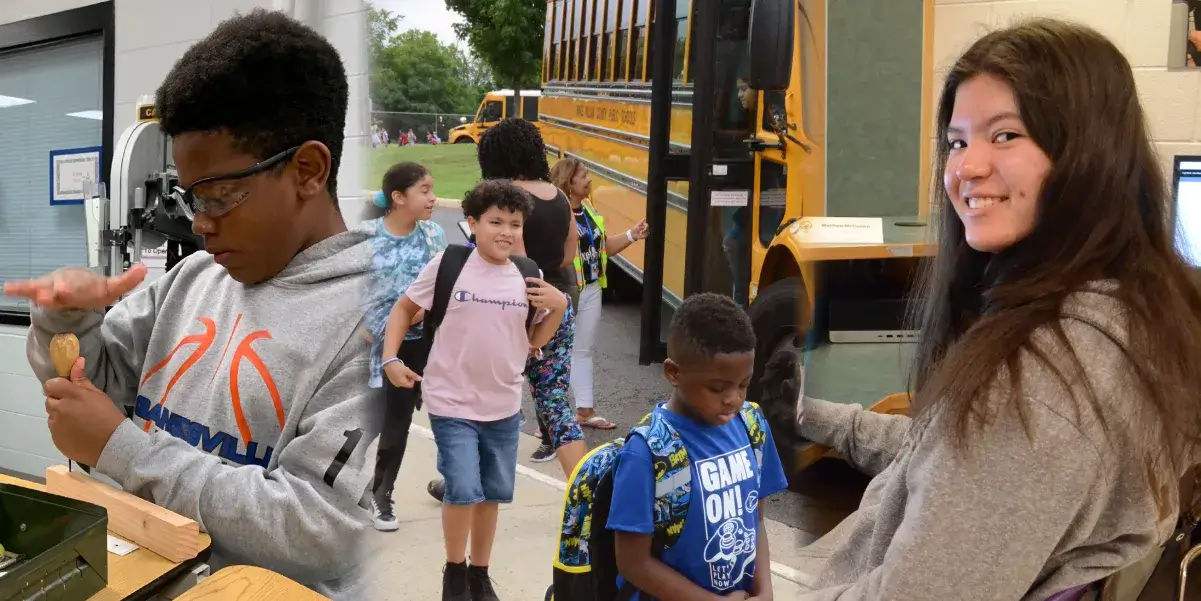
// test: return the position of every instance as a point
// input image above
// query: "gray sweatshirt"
(1011, 519)
(249, 403)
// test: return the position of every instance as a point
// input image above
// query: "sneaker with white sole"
(543, 454)
(385, 520)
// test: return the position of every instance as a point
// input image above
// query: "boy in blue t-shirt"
(711, 356)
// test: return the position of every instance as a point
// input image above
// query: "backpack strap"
(756, 429)
(673, 477)
(453, 259)
(528, 269)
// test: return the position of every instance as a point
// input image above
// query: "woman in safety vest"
(591, 266)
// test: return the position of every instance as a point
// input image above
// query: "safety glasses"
(219, 194)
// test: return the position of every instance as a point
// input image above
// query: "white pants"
(587, 322)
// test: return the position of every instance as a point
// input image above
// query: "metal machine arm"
(141, 212)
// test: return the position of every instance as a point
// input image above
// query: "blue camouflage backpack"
(585, 568)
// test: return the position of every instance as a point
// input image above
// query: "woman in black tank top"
(546, 232)
(513, 150)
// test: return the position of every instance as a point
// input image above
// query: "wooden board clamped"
(64, 352)
(165, 532)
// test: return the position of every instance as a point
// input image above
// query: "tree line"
(413, 71)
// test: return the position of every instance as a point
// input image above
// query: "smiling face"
(994, 171)
(495, 233)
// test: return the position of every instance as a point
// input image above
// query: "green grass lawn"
(453, 166)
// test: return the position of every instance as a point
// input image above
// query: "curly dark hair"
(513, 149)
(270, 81)
(706, 325)
(498, 193)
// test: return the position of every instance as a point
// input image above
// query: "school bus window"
(621, 54)
(585, 35)
(638, 41)
(594, 57)
(682, 9)
(598, 25)
(548, 43)
(736, 101)
(614, 8)
(773, 105)
(811, 77)
(492, 112)
(572, 53)
(582, 46)
(561, 11)
(773, 199)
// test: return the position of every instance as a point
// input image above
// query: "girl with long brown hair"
(1056, 381)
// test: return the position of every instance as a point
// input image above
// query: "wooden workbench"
(137, 573)
(248, 583)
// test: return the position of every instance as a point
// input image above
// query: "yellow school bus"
(736, 127)
(495, 106)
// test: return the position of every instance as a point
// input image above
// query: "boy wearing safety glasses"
(240, 369)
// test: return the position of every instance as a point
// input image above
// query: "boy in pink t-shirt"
(472, 382)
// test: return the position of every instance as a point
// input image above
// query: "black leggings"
(394, 436)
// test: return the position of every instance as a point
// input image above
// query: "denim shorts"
(477, 459)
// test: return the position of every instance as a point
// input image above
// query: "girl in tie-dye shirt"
(405, 240)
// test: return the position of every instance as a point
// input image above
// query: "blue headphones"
(380, 200)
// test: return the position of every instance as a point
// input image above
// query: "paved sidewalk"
(408, 563)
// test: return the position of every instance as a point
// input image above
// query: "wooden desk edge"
(259, 580)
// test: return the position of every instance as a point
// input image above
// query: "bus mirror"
(771, 41)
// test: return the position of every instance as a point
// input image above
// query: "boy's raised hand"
(544, 296)
(77, 288)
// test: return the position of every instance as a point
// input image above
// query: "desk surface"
(248, 583)
(129, 574)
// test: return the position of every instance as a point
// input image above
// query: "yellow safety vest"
(604, 255)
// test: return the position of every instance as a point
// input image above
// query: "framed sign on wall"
(74, 174)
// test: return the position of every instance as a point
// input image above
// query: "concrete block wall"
(150, 36)
(1171, 97)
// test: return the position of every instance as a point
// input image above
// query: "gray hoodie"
(250, 406)
(1016, 517)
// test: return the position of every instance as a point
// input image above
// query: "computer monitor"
(1186, 209)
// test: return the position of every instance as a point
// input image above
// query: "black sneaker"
(543, 454)
(385, 520)
(481, 584)
(437, 489)
(454, 583)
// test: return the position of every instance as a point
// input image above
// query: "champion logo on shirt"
(465, 296)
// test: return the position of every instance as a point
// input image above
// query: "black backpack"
(453, 259)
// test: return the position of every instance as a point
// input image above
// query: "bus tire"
(464, 140)
(774, 317)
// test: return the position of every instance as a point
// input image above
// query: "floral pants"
(550, 379)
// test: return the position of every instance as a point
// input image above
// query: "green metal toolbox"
(55, 548)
